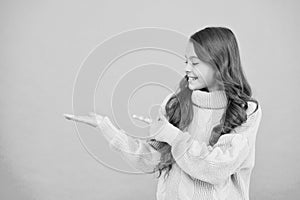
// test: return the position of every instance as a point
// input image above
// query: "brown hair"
(218, 47)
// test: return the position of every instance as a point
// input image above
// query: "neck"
(215, 99)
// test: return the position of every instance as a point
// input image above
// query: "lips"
(191, 78)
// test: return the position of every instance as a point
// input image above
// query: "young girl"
(203, 141)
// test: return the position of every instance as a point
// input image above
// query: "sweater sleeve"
(214, 164)
(140, 154)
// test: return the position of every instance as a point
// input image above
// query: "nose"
(188, 68)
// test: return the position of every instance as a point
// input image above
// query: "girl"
(203, 140)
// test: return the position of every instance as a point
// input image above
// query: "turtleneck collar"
(210, 100)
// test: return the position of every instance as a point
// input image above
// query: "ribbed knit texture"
(200, 171)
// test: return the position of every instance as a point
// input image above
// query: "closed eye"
(186, 62)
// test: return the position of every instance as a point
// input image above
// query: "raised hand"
(157, 138)
(154, 125)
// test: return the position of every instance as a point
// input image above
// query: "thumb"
(161, 115)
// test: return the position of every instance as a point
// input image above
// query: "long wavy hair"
(216, 46)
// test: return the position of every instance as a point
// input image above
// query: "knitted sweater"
(221, 172)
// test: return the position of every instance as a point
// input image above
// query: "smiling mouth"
(191, 78)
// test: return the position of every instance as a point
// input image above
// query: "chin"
(197, 87)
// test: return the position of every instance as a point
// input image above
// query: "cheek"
(205, 75)
(209, 76)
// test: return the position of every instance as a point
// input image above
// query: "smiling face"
(203, 73)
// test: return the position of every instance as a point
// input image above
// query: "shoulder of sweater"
(250, 126)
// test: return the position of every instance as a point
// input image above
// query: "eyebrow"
(192, 57)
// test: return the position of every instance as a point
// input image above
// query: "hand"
(102, 122)
(91, 119)
(143, 119)
(155, 125)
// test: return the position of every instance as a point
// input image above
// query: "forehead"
(189, 51)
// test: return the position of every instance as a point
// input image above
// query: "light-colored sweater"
(221, 172)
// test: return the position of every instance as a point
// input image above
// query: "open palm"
(96, 120)
(91, 119)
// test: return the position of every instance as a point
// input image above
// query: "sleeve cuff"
(169, 133)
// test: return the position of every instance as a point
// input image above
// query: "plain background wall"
(42, 46)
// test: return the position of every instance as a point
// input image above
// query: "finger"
(77, 118)
(148, 120)
(86, 120)
(81, 119)
(138, 117)
(96, 115)
(69, 116)
(143, 119)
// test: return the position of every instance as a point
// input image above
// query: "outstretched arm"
(141, 154)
